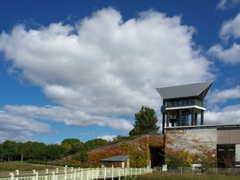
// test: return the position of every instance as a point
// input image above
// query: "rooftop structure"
(119, 158)
(183, 103)
(181, 106)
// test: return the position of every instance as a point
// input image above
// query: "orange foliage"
(138, 150)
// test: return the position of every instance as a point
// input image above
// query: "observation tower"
(183, 103)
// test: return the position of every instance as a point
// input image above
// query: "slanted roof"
(119, 158)
(183, 91)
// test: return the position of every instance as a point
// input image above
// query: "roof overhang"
(185, 91)
(119, 158)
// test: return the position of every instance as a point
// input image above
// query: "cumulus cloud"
(70, 116)
(230, 29)
(107, 137)
(103, 69)
(226, 4)
(229, 56)
(222, 117)
(19, 128)
(221, 96)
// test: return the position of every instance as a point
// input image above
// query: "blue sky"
(82, 69)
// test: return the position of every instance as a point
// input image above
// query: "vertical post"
(104, 176)
(12, 176)
(56, 170)
(112, 171)
(163, 122)
(81, 174)
(92, 173)
(97, 174)
(36, 176)
(34, 171)
(180, 117)
(65, 175)
(202, 117)
(53, 175)
(118, 173)
(88, 174)
(17, 172)
(193, 121)
(46, 171)
(74, 175)
(168, 117)
(21, 158)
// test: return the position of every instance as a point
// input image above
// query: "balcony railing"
(191, 102)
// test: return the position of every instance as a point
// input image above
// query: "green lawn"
(12, 166)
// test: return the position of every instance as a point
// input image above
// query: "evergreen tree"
(145, 122)
(53, 152)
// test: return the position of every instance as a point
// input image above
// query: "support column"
(180, 117)
(202, 117)
(193, 119)
(163, 123)
(168, 117)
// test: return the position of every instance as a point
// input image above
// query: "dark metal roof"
(119, 158)
(187, 90)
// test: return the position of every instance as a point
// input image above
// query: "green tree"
(9, 150)
(34, 150)
(83, 157)
(54, 152)
(94, 143)
(21, 150)
(1, 153)
(145, 122)
(71, 146)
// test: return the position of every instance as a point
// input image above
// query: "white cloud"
(228, 56)
(103, 68)
(69, 116)
(222, 117)
(232, 108)
(19, 128)
(231, 28)
(231, 55)
(222, 96)
(107, 137)
(226, 4)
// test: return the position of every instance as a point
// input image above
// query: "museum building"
(183, 122)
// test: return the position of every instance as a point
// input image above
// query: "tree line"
(145, 123)
(19, 151)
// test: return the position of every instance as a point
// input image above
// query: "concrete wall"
(228, 136)
(191, 139)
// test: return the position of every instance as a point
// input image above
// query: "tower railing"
(180, 103)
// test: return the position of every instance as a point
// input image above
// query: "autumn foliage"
(196, 151)
(138, 149)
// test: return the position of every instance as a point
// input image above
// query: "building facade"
(183, 124)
